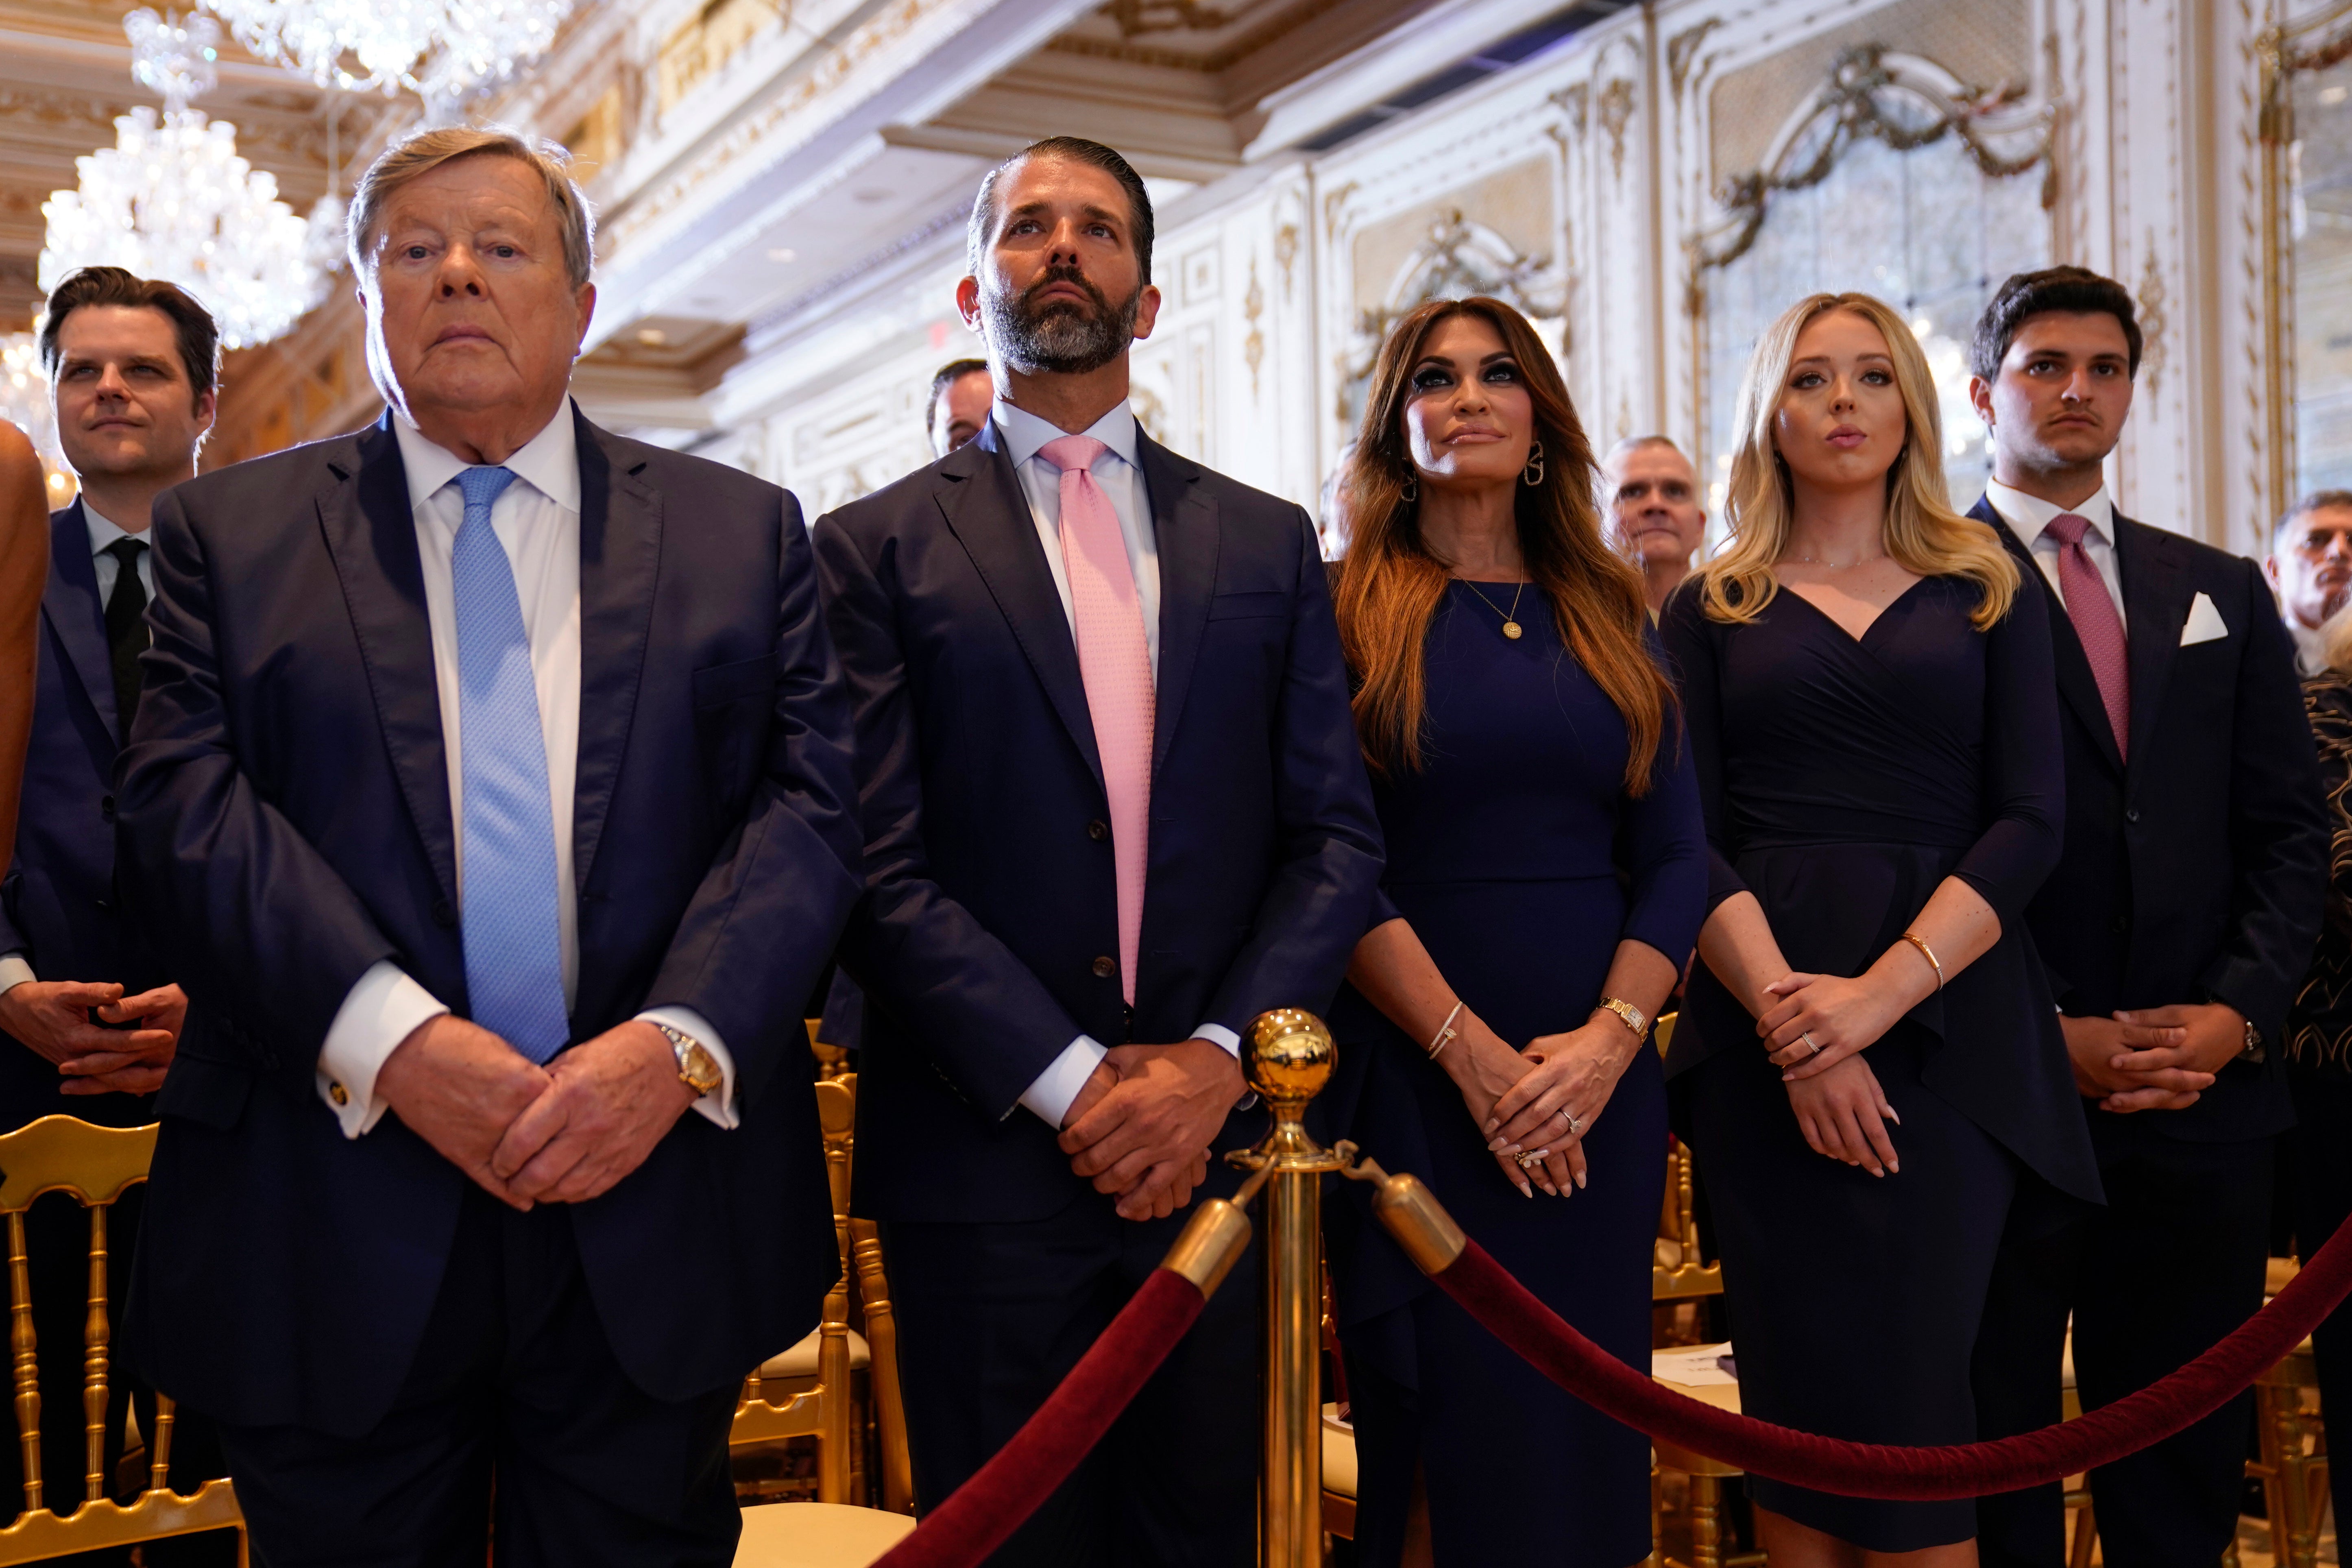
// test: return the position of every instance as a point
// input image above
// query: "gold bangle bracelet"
(1916, 939)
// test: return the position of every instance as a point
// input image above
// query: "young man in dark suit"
(1113, 810)
(2175, 931)
(89, 1016)
(490, 791)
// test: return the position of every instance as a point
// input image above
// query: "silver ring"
(1808, 1037)
(1575, 1128)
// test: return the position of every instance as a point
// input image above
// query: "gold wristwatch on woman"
(697, 1068)
(1632, 1016)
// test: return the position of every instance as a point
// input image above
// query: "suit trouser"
(515, 1407)
(2323, 1198)
(991, 1316)
(57, 1249)
(2169, 1267)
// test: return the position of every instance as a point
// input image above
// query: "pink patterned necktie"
(1116, 663)
(2097, 623)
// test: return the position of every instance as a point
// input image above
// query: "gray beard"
(1057, 341)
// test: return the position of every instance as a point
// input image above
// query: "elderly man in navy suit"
(1113, 809)
(490, 792)
(89, 1012)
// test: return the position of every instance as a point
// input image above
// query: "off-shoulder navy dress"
(1843, 779)
(1521, 863)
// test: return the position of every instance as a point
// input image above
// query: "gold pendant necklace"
(1511, 627)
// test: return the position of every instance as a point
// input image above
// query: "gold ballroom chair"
(2292, 1437)
(809, 1391)
(97, 1165)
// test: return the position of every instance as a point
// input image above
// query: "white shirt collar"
(549, 462)
(103, 530)
(1025, 432)
(2029, 515)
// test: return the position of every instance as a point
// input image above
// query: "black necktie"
(126, 626)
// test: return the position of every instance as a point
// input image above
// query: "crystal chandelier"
(173, 199)
(25, 401)
(444, 51)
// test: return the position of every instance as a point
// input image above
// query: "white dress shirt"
(537, 523)
(2030, 516)
(14, 969)
(2310, 659)
(1119, 473)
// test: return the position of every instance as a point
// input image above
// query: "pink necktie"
(2101, 629)
(1116, 664)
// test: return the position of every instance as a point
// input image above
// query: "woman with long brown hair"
(1545, 881)
(1876, 726)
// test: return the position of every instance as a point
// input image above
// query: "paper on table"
(1695, 1366)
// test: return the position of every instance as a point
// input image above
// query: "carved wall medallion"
(1616, 110)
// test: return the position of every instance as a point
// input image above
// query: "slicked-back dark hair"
(955, 370)
(1075, 150)
(2076, 290)
(191, 324)
(2318, 500)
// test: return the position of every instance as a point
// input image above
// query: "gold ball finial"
(1290, 1055)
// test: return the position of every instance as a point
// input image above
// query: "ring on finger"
(1526, 1162)
(1808, 1037)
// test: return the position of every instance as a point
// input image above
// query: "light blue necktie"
(514, 970)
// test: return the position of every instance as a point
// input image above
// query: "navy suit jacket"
(987, 935)
(57, 903)
(285, 818)
(2198, 870)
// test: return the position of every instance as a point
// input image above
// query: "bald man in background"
(1654, 517)
(24, 549)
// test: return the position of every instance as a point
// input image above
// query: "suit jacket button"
(442, 916)
(2132, 814)
(106, 807)
(1105, 968)
(338, 1094)
(1098, 831)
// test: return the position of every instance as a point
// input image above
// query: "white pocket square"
(2205, 622)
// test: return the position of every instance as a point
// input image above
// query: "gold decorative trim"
(1681, 52)
(2281, 55)
(2153, 321)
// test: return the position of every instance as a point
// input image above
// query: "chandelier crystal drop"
(444, 51)
(173, 199)
(25, 395)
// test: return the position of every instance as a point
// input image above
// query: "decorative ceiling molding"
(1902, 101)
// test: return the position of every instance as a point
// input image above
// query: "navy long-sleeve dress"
(1521, 863)
(1843, 779)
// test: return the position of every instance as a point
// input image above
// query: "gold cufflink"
(337, 1093)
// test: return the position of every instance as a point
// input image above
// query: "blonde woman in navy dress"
(1868, 1057)
(1546, 874)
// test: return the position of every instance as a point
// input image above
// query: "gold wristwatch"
(697, 1068)
(1627, 1014)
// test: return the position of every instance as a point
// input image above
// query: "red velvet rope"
(979, 1515)
(1880, 1470)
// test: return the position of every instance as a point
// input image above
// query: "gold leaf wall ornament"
(1286, 253)
(1254, 346)
(2150, 300)
(1906, 102)
(1681, 51)
(1460, 258)
(1575, 100)
(1616, 109)
(1335, 206)
(696, 50)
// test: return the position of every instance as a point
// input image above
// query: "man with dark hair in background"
(1656, 519)
(91, 1017)
(2175, 930)
(2310, 569)
(1113, 810)
(957, 410)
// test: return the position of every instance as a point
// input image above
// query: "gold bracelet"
(1445, 1034)
(1627, 1015)
(1916, 939)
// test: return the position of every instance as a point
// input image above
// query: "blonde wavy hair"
(1922, 532)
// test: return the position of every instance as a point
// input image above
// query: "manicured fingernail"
(1494, 1145)
(1892, 1117)
(1895, 1167)
(1492, 1122)
(1526, 1191)
(1550, 1191)
(1543, 1154)
(1579, 1179)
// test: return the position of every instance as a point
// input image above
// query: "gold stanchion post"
(1290, 1056)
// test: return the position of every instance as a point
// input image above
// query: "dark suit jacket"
(991, 902)
(2198, 871)
(58, 903)
(285, 818)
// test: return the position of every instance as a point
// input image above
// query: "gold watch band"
(1632, 1017)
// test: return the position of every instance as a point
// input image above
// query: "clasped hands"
(530, 1134)
(2155, 1058)
(1523, 1101)
(1142, 1122)
(1815, 1027)
(53, 1017)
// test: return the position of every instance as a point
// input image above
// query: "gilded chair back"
(95, 1165)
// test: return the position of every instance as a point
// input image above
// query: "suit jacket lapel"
(2076, 684)
(1184, 521)
(78, 619)
(371, 533)
(2156, 593)
(620, 565)
(987, 512)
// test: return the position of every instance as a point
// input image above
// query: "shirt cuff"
(1221, 1037)
(719, 1107)
(1058, 1085)
(384, 1007)
(15, 972)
